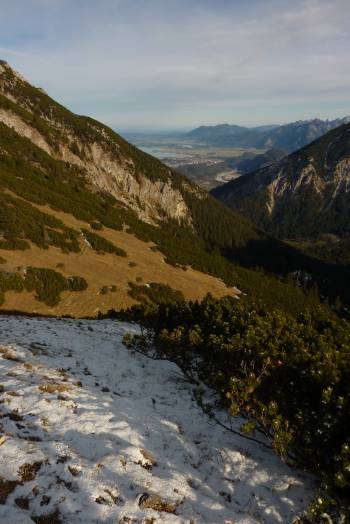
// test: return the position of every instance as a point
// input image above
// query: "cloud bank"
(150, 64)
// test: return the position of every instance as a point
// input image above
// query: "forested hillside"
(303, 197)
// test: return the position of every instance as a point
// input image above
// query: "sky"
(154, 65)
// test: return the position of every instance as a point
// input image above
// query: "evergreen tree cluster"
(47, 284)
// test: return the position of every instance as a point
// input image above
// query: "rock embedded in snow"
(136, 447)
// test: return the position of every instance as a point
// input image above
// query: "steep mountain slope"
(110, 163)
(304, 196)
(94, 190)
(49, 219)
(247, 162)
(289, 137)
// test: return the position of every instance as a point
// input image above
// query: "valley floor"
(91, 432)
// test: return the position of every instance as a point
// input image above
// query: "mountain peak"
(6, 68)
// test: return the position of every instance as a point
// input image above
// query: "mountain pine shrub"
(289, 376)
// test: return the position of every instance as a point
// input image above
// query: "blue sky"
(175, 64)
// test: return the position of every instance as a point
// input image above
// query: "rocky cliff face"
(109, 163)
(304, 195)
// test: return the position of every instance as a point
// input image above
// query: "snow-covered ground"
(91, 432)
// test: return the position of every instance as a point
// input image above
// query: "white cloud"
(165, 60)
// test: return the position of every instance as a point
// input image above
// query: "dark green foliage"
(77, 284)
(19, 219)
(289, 376)
(226, 236)
(154, 292)
(44, 180)
(47, 283)
(11, 282)
(331, 248)
(327, 508)
(96, 225)
(33, 120)
(108, 289)
(101, 245)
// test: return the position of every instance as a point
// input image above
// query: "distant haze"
(176, 64)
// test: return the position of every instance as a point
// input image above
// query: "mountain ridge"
(290, 137)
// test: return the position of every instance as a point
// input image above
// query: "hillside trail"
(92, 432)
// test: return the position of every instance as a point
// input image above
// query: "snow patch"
(96, 433)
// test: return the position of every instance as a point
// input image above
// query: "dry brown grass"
(9, 355)
(28, 472)
(53, 387)
(156, 503)
(148, 461)
(74, 471)
(104, 270)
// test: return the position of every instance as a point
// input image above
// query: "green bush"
(101, 245)
(19, 220)
(77, 283)
(96, 225)
(48, 284)
(11, 282)
(289, 376)
(154, 292)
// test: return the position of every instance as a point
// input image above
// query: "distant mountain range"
(288, 137)
(304, 196)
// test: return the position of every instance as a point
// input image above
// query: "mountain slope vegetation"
(79, 167)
